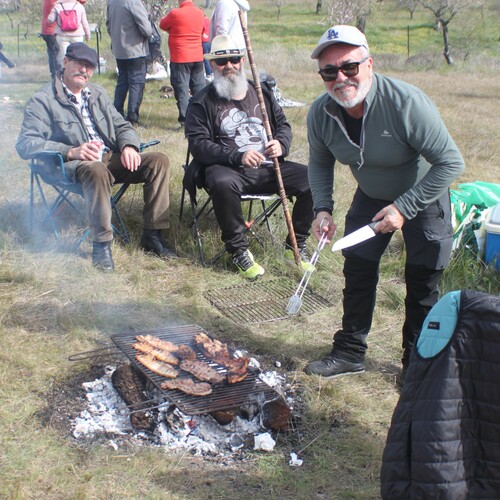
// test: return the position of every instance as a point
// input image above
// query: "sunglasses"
(224, 60)
(330, 73)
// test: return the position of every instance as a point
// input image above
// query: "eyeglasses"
(223, 61)
(330, 73)
(84, 64)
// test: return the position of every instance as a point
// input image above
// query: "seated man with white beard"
(227, 139)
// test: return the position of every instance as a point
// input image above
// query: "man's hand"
(252, 159)
(389, 219)
(273, 149)
(323, 223)
(86, 152)
(130, 158)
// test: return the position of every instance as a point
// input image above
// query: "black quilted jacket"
(444, 439)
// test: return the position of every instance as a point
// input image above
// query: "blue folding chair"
(47, 168)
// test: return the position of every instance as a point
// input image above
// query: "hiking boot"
(331, 367)
(152, 241)
(305, 265)
(247, 267)
(101, 256)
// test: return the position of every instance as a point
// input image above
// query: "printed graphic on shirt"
(240, 124)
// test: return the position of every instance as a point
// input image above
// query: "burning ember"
(107, 415)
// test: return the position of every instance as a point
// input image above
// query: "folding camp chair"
(192, 185)
(47, 168)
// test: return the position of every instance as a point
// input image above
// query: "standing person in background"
(65, 37)
(226, 21)
(403, 158)
(130, 29)
(5, 59)
(184, 26)
(49, 37)
(205, 43)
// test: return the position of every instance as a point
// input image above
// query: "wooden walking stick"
(244, 7)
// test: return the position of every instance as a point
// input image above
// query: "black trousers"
(226, 184)
(131, 81)
(52, 51)
(428, 240)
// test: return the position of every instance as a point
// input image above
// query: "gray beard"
(361, 92)
(231, 87)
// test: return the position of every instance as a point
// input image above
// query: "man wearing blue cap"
(100, 148)
(404, 160)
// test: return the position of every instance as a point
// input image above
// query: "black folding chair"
(192, 184)
(47, 169)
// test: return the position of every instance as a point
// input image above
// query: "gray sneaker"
(330, 367)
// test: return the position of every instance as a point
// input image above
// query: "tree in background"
(350, 12)
(409, 5)
(444, 11)
(279, 4)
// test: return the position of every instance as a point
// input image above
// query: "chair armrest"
(53, 163)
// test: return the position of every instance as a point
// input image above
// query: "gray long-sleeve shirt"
(406, 155)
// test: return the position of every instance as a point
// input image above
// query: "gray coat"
(129, 27)
(52, 123)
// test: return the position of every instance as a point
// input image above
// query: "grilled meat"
(165, 356)
(185, 352)
(158, 367)
(212, 347)
(218, 351)
(188, 386)
(182, 351)
(164, 345)
(202, 371)
(237, 369)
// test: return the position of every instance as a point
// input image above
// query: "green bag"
(470, 204)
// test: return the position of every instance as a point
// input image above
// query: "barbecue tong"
(295, 301)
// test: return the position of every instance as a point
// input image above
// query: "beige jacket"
(83, 25)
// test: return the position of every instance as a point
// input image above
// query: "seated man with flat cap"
(224, 127)
(100, 148)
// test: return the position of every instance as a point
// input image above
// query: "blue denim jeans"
(131, 80)
(186, 77)
(206, 49)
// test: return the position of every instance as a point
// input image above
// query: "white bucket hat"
(224, 46)
(340, 34)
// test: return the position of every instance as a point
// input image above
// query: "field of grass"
(53, 303)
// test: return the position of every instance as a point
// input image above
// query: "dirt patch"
(66, 400)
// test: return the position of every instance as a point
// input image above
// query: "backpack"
(68, 19)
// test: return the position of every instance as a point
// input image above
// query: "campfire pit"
(241, 409)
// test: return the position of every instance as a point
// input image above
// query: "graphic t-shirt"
(239, 124)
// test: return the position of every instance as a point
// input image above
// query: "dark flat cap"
(82, 52)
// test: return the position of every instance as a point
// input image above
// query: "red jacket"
(205, 36)
(184, 26)
(47, 28)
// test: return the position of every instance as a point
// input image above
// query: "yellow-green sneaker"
(305, 265)
(247, 266)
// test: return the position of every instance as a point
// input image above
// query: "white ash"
(107, 415)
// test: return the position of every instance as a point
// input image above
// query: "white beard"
(362, 90)
(232, 86)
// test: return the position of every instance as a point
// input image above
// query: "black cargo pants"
(428, 240)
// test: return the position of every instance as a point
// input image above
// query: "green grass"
(54, 304)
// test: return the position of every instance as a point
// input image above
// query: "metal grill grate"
(223, 397)
(262, 301)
